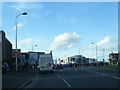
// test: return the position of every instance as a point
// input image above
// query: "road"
(79, 77)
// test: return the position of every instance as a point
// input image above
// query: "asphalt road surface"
(79, 77)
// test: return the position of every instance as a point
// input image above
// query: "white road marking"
(64, 80)
(27, 81)
(36, 78)
(103, 74)
(29, 85)
(115, 77)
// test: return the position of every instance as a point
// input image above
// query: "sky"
(65, 28)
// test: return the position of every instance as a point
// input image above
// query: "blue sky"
(66, 28)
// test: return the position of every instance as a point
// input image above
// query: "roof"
(113, 54)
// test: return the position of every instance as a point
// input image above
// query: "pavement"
(16, 79)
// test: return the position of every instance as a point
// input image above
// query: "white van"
(45, 63)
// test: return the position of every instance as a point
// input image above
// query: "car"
(54, 66)
(5, 67)
(65, 65)
(59, 66)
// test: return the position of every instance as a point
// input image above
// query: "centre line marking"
(64, 80)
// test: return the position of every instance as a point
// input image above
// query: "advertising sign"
(33, 57)
(15, 54)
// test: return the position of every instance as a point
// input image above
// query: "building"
(113, 58)
(5, 48)
(81, 60)
(24, 57)
(76, 59)
(119, 58)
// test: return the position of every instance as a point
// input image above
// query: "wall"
(5, 48)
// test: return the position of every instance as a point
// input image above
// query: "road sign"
(15, 54)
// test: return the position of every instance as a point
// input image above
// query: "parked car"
(54, 66)
(5, 67)
(66, 65)
(58, 66)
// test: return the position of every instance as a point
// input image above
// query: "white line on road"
(27, 82)
(103, 74)
(115, 77)
(30, 85)
(64, 80)
(35, 78)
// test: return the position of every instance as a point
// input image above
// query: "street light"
(103, 58)
(24, 13)
(32, 47)
(96, 53)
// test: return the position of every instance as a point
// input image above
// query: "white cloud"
(19, 25)
(26, 41)
(23, 44)
(69, 46)
(108, 43)
(104, 41)
(64, 41)
(25, 5)
(47, 12)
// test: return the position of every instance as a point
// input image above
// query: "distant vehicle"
(60, 66)
(57, 66)
(5, 68)
(54, 66)
(45, 63)
(65, 65)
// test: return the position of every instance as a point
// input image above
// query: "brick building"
(5, 48)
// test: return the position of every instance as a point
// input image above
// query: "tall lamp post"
(103, 57)
(24, 13)
(32, 47)
(96, 53)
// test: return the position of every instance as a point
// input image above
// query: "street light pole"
(16, 41)
(103, 58)
(32, 47)
(96, 53)
(79, 51)
(16, 37)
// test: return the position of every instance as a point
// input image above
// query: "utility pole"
(103, 57)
